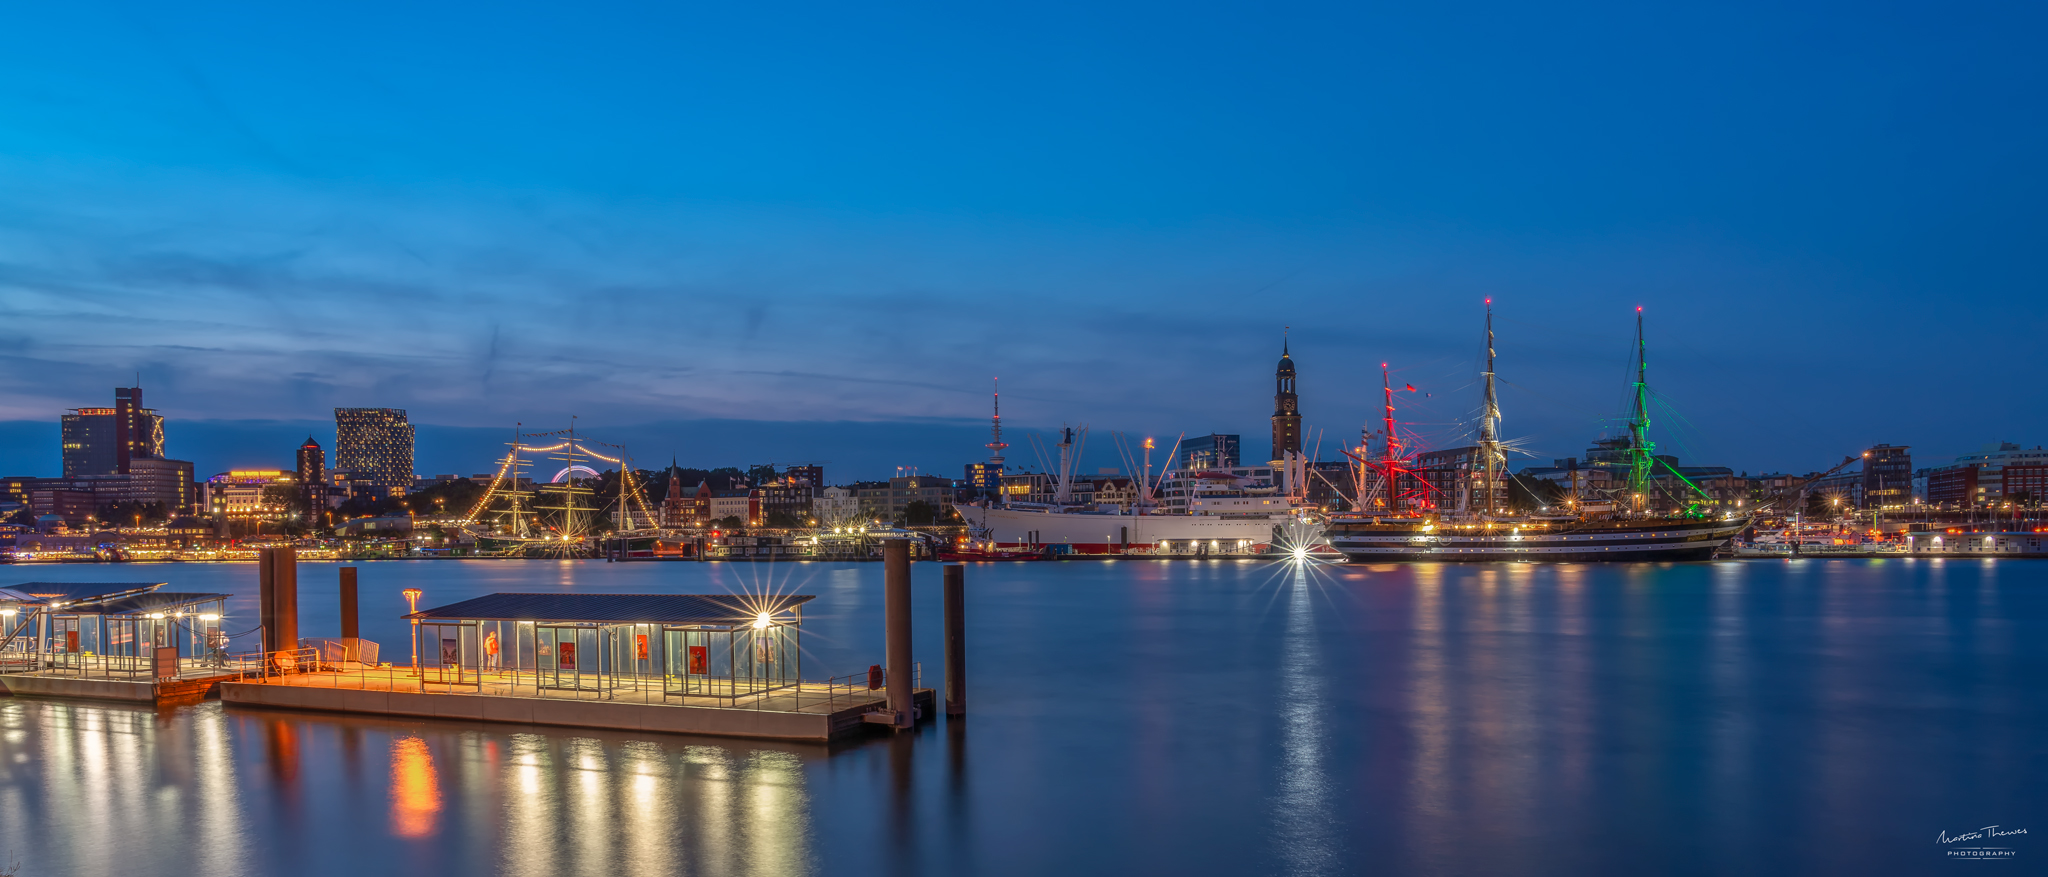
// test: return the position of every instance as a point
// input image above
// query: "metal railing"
(305, 668)
(279, 665)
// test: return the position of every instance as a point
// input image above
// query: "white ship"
(1225, 510)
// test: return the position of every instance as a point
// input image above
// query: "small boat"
(979, 552)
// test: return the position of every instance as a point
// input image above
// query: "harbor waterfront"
(1218, 716)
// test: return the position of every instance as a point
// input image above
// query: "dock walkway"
(103, 677)
(807, 711)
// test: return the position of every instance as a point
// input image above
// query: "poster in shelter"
(451, 651)
(71, 641)
(640, 647)
(567, 651)
(700, 660)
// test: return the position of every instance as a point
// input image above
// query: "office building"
(1887, 477)
(75, 507)
(89, 446)
(103, 441)
(375, 445)
(159, 480)
(985, 478)
(1979, 479)
(138, 431)
(125, 443)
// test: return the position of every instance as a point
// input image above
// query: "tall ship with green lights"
(1478, 527)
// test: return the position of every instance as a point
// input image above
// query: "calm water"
(1147, 718)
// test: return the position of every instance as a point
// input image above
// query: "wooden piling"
(956, 640)
(285, 597)
(350, 632)
(896, 606)
(266, 604)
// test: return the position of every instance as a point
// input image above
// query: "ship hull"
(1571, 543)
(1080, 533)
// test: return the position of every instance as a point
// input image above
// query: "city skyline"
(265, 230)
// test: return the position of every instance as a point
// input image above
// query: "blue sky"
(675, 214)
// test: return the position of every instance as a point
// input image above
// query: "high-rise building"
(102, 441)
(89, 444)
(138, 431)
(375, 444)
(126, 440)
(1286, 409)
(312, 472)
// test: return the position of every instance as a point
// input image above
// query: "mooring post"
(350, 634)
(266, 589)
(896, 606)
(285, 599)
(956, 640)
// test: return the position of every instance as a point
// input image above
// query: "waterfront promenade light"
(412, 606)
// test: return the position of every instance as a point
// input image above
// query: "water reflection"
(1163, 718)
(1303, 822)
(415, 788)
(88, 788)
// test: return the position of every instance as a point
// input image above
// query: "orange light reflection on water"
(415, 788)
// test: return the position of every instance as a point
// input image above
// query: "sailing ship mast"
(514, 494)
(1490, 457)
(1639, 447)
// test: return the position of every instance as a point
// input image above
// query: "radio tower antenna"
(995, 425)
(995, 439)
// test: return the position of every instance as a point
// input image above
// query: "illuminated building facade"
(683, 507)
(1215, 451)
(376, 445)
(125, 443)
(312, 476)
(985, 478)
(1887, 477)
(89, 443)
(241, 494)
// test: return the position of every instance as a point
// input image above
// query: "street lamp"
(412, 606)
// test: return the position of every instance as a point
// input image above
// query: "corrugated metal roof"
(74, 592)
(616, 608)
(143, 604)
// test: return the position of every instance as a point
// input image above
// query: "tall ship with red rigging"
(1479, 527)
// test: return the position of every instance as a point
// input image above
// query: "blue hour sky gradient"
(856, 214)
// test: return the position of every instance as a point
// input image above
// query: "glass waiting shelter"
(720, 647)
(108, 629)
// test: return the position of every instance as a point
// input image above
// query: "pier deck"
(810, 711)
(109, 678)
